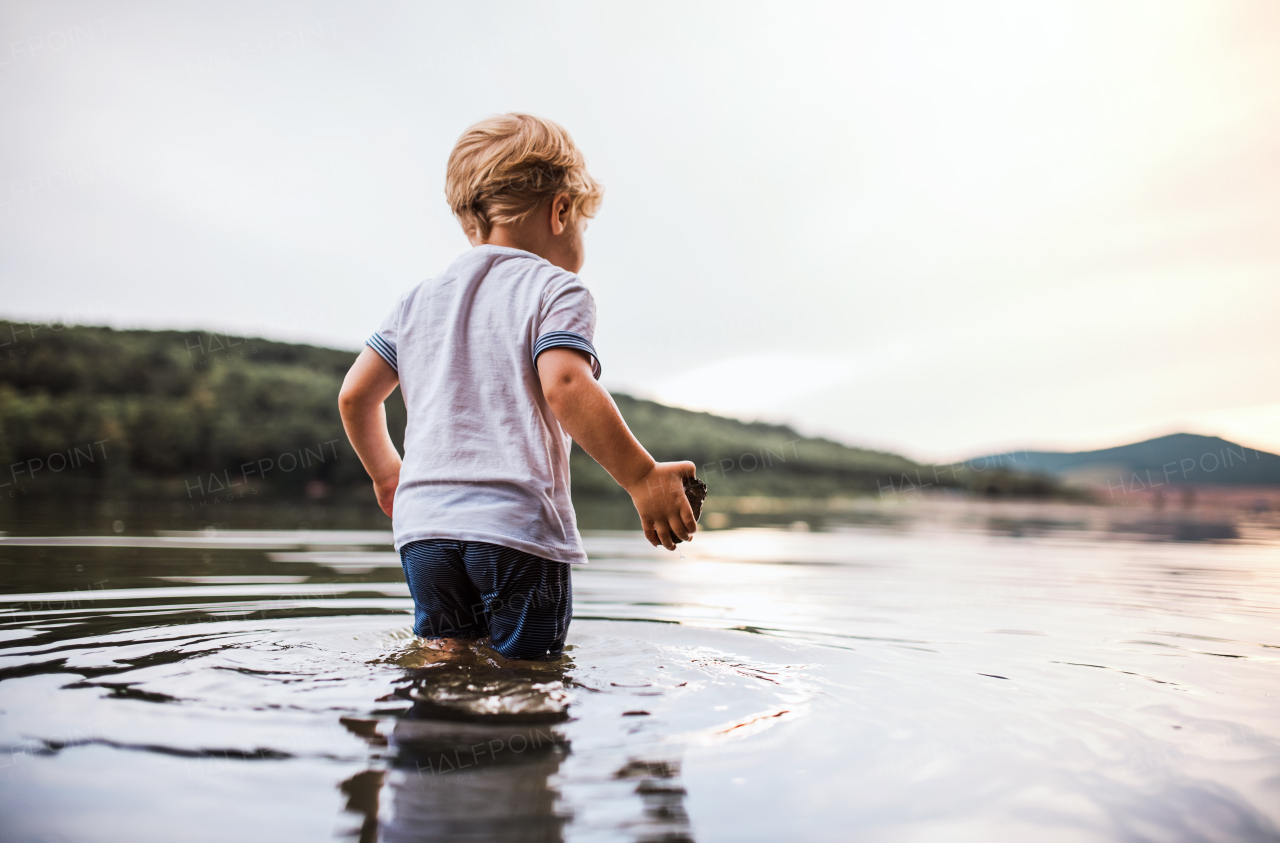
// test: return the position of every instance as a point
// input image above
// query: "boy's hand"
(386, 491)
(588, 414)
(660, 500)
(366, 386)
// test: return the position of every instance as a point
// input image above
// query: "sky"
(942, 229)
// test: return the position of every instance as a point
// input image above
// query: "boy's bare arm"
(366, 386)
(587, 413)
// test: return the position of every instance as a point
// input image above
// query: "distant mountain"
(1168, 460)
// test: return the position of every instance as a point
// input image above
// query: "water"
(952, 672)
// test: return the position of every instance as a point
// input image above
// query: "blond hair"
(506, 166)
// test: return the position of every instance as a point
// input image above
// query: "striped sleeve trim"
(385, 350)
(567, 339)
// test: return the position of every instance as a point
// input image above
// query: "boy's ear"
(559, 214)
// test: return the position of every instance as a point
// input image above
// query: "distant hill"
(192, 416)
(745, 458)
(1169, 460)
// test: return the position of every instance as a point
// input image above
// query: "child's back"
(496, 364)
(485, 458)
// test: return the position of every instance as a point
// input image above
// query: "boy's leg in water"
(528, 600)
(447, 606)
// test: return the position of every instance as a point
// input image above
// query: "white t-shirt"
(484, 457)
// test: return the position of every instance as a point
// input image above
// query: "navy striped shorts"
(462, 589)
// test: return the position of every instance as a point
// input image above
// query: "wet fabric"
(462, 589)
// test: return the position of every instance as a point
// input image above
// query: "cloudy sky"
(939, 228)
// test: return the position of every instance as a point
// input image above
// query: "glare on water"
(1055, 673)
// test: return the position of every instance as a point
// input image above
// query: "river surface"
(972, 673)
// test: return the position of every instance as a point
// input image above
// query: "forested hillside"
(171, 408)
(192, 415)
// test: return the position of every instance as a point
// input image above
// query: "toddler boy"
(496, 366)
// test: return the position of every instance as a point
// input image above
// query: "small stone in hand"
(696, 491)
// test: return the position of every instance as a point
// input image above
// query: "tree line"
(187, 415)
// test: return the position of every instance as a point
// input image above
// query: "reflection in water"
(473, 759)
(658, 783)
(474, 781)
(362, 791)
(978, 672)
